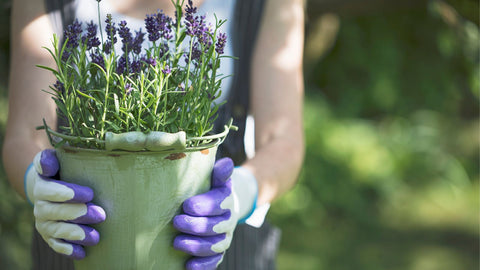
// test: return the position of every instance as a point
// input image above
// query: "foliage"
(390, 179)
(162, 88)
(16, 219)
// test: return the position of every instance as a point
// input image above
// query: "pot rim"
(191, 144)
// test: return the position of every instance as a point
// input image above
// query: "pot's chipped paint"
(176, 156)
(71, 151)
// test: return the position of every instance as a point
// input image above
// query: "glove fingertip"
(210, 262)
(179, 242)
(92, 237)
(78, 252)
(48, 163)
(222, 170)
(95, 214)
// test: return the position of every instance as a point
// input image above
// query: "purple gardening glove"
(209, 219)
(62, 210)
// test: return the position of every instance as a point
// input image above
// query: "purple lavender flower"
(158, 25)
(190, 9)
(196, 26)
(137, 42)
(174, 21)
(220, 45)
(153, 27)
(210, 96)
(196, 54)
(107, 47)
(190, 18)
(122, 65)
(91, 36)
(163, 49)
(165, 25)
(110, 28)
(166, 70)
(97, 58)
(151, 61)
(136, 66)
(72, 33)
(58, 85)
(203, 32)
(111, 31)
(66, 54)
(126, 36)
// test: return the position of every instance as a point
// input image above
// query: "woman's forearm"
(277, 99)
(276, 167)
(28, 104)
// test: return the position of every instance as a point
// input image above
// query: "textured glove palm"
(62, 210)
(209, 219)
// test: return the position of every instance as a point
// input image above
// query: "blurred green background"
(391, 177)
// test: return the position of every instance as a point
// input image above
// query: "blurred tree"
(391, 170)
(5, 6)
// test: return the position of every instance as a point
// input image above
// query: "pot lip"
(191, 144)
(76, 150)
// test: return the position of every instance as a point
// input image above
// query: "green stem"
(105, 104)
(158, 94)
(141, 105)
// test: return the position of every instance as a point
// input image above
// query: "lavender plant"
(154, 83)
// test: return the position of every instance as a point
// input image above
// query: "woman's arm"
(276, 99)
(28, 105)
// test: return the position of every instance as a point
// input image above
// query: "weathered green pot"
(140, 192)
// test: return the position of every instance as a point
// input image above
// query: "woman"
(268, 84)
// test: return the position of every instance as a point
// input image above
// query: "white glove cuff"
(246, 188)
(29, 182)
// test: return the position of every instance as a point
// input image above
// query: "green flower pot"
(141, 192)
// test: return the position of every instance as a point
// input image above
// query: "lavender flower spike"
(137, 42)
(153, 27)
(221, 40)
(97, 58)
(126, 36)
(191, 19)
(72, 33)
(122, 65)
(111, 31)
(165, 24)
(91, 36)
